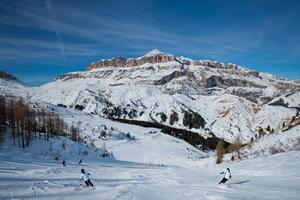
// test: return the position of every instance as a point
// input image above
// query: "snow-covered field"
(275, 177)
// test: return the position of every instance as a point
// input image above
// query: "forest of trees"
(24, 121)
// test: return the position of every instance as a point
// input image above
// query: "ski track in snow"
(275, 177)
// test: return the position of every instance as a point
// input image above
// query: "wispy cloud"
(80, 33)
(99, 29)
(55, 27)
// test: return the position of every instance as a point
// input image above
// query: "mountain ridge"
(156, 56)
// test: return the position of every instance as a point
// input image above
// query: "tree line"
(25, 121)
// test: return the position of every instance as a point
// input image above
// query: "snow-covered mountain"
(207, 97)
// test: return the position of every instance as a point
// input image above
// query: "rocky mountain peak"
(118, 61)
(155, 56)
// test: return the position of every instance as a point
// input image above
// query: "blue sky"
(40, 40)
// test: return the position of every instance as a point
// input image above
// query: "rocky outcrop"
(119, 61)
(115, 62)
(253, 73)
(208, 63)
(161, 58)
(217, 81)
(231, 66)
(7, 76)
(168, 78)
(68, 76)
(155, 56)
(288, 87)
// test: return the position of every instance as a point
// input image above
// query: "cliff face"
(132, 62)
(115, 62)
(217, 81)
(208, 63)
(156, 56)
(149, 59)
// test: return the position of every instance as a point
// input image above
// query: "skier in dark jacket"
(226, 176)
(64, 163)
(85, 176)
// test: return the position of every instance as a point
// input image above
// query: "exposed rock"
(287, 87)
(253, 73)
(279, 102)
(155, 56)
(115, 62)
(62, 105)
(231, 66)
(150, 59)
(168, 78)
(132, 62)
(7, 76)
(183, 60)
(217, 81)
(79, 107)
(208, 63)
(265, 100)
(70, 76)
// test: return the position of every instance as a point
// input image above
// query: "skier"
(85, 176)
(80, 161)
(226, 176)
(64, 163)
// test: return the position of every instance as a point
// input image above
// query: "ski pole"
(78, 182)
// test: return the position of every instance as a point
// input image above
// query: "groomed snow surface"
(28, 175)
